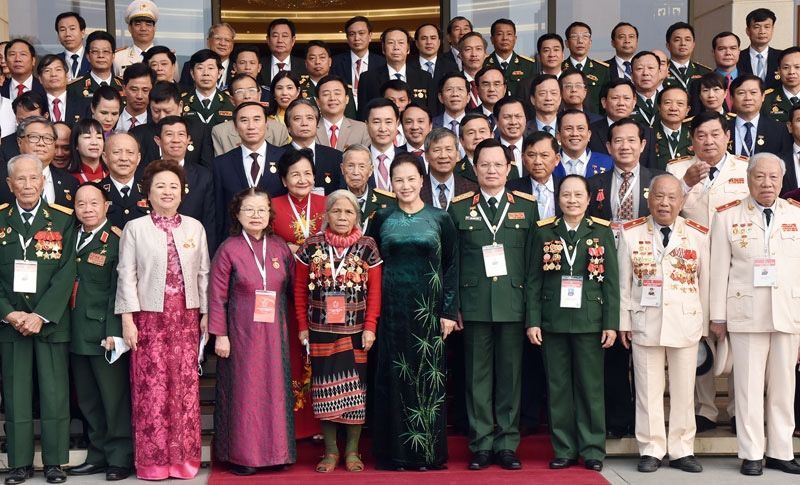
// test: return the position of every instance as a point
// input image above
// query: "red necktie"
(56, 109)
(334, 138)
(358, 73)
(417, 152)
(384, 172)
(254, 169)
(728, 95)
(281, 65)
(473, 103)
(133, 123)
(20, 89)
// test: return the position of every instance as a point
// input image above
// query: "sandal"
(353, 465)
(327, 466)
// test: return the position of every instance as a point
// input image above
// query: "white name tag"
(651, 292)
(24, 276)
(494, 260)
(571, 289)
(765, 272)
(616, 228)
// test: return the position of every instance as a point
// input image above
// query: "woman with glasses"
(249, 295)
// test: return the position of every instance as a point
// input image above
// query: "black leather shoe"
(241, 470)
(703, 423)
(54, 474)
(751, 468)
(786, 466)
(595, 465)
(562, 463)
(733, 425)
(687, 464)
(480, 460)
(507, 460)
(114, 473)
(648, 464)
(85, 469)
(616, 433)
(19, 475)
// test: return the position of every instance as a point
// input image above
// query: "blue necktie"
(627, 65)
(747, 150)
(429, 67)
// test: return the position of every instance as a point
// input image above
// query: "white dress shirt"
(328, 131)
(226, 64)
(754, 59)
(499, 196)
(402, 73)
(517, 154)
(796, 158)
(546, 205)
(274, 65)
(374, 153)
(33, 211)
(125, 121)
(582, 162)
(101, 81)
(620, 63)
(62, 106)
(450, 187)
(12, 91)
(119, 185)
(49, 191)
(423, 64)
(364, 65)
(741, 132)
(93, 233)
(247, 162)
(541, 124)
(68, 58)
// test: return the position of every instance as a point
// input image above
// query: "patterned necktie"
(334, 138)
(665, 235)
(74, 58)
(626, 203)
(57, 109)
(254, 169)
(443, 196)
(454, 126)
(133, 123)
(358, 74)
(747, 149)
(627, 65)
(760, 67)
(492, 207)
(281, 65)
(429, 67)
(384, 171)
(473, 89)
(768, 215)
(20, 89)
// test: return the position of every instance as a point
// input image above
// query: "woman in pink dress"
(162, 297)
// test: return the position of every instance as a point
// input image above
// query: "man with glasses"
(141, 17)
(220, 39)
(578, 37)
(574, 92)
(100, 48)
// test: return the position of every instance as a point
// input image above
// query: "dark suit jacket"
(613, 73)
(64, 184)
(265, 77)
(369, 86)
(775, 137)
(200, 151)
(790, 177)
(597, 143)
(602, 209)
(121, 211)
(186, 83)
(77, 107)
(523, 184)
(36, 86)
(198, 200)
(84, 68)
(460, 186)
(9, 147)
(327, 167)
(744, 66)
(230, 179)
(444, 64)
(397, 149)
(340, 65)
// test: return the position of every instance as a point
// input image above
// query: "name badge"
(571, 289)
(651, 292)
(494, 260)
(334, 307)
(24, 276)
(616, 228)
(265, 307)
(765, 272)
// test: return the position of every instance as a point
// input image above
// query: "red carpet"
(534, 452)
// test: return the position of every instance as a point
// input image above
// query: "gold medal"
(185, 109)
(272, 168)
(588, 242)
(190, 147)
(275, 265)
(327, 179)
(473, 214)
(760, 141)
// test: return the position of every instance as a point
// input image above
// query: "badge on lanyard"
(765, 272)
(651, 292)
(25, 276)
(264, 307)
(494, 260)
(334, 307)
(571, 290)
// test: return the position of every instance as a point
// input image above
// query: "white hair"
(763, 156)
(13, 162)
(334, 197)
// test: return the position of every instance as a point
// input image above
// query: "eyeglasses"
(251, 212)
(48, 139)
(220, 38)
(240, 92)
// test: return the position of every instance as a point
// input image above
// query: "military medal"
(327, 178)
(272, 168)
(760, 141)
(473, 213)
(275, 263)
(190, 147)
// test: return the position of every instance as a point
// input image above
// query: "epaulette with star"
(464, 196)
(600, 62)
(523, 195)
(5, 205)
(527, 58)
(769, 91)
(385, 193)
(116, 231)
(75, 80)
(634, 223)
(544, 222)
(680, 159)
(703, 65)
(61, 208)
(730, 204)
(688, 120)
(600, 221)
(697, 225)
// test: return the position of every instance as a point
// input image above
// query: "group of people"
(479, 238)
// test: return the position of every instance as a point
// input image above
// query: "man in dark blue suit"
(454, 95)
(358, 59)
(428, 38)
(71, 30)
(302, 117)
(62, 106)
(576, 157)
(751, 131)
(253, 163)
(29, 104)
(760, 26)
(20, 58)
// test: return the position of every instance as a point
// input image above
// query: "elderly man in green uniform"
(207, 103)
(103, 389)
(672, 128)
(578, 38)
(37, 250)
(573, 313)
(514, 66)
(495, 229)
(357, 172)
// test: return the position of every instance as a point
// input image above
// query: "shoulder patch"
(523, 195)
(600, 62)
(688, 120)
(544, 222)
(697, 225)
(769, 91)
(116, 231)
(634, 223)
(740, 157)
(386, 193)
(459, 198)
(730, 115)
(733, 203)
(6, 205)
(791, 201)
(600, 221)
(527, 58)
(77, 79)
(61, 208)
(120, 49)
(680, 159)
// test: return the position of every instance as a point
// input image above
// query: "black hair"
(171, 120)
(278, 22)
(577, 24)
(84, 126)
(165, 91)
(570, 71)
(549, 36)
(713, 79)
(273, 102)
(678, 26)
(101, 35)
(615, 84)
(743, 78)
(65, 15)
(538, 136)
(202, 56)
(491, 143)
(31, 100)
(486, 69)
(568, 112)
(660, 95)
(575, 176)
(457, 19)
(623, 24)
(625, 122)
(239, 77)
(317, 43)
(540, 79)
(415, 104)
(396, 85)
(110, 94)
(793, 110)
(498, 106)
(291, 157)
(381, 103)
(705, 117)
(503, 22)
(438, 31)
(395, 29)
(332, 78)
(159, 49)
(355, 20)
(20, 41)
(47, 60)
(791, 50)
(245, 48)
(137, 70)
(247, 104)
(641, 54)
(723, 35)
(469, 117)
(96, 185)
(452, 75)
(760, 15)
(403, 158)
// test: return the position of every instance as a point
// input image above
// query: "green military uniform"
(86, 86)
(102, 389)
(309, 91)
(375, 199)
(219, 110)
(695, 70)
(571, 349)
(777, 105)
(493, 311)
(465, 169)
(668, 149)
(52, 246)
(519, 68)
(647, 115)
(596, 74)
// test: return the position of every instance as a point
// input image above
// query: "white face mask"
(120, 347)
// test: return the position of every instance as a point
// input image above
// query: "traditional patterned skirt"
(338, 381)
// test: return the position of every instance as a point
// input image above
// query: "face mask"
(120, 347)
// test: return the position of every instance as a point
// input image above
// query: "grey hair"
(297, 102)
(764, 155)
(216, 26)
(23, 125)
(29, 156)
(333, 197)
(461, 43)
(438, 134)
(661, 176)
(355, 147)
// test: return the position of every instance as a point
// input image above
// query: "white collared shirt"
(616, 183)
(541, 124)
(754, 59)
(620, 63)
(517, 153)
(668, 131)
(741, 132)
(582, 62)
(201, 97)
(311, 147)
(402, 73)
(101, 81)
(374, 153)
(796, 158)
(364, 65)
(93, 232)
(119, 185)
(550, 209)
(247, 162)
(790, 95)
(68, 59)
(450, 187)
(12, 91)
(49, 191)
(423, 63)
(580, 167)
(125, 121)
(274, 65)
(499, 196)
(660, 235)
(62, 101)
(678, 66)
(328, 131)
(447, 121)
(500, 60)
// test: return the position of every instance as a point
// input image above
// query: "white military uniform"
(763, 322)
(668, 333)
(699, 205)
(125, 56)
